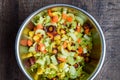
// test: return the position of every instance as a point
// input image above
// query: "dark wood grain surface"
(13, 12)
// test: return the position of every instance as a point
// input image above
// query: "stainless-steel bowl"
(99, 46)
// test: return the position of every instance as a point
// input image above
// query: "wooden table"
(13, 12)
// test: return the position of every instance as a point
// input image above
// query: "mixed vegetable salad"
(56, 44)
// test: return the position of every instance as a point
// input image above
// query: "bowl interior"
(96, 53)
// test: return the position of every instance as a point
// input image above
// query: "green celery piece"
(41, 61)
(51, 74)
(74, 24)
(80, 20)
(66, 67)
(38, 19)
(79, 35)
(87, 37)
(73, 72)
(64, 52)
(54, 60)
(47, 60)
(47, 19)
(53, 67)
(72, 54)
(41, 32)
(71, 60)
(33, 67)
(23, 49)
(79, 70)
(73, 36)
(79, 59)
(32, 49)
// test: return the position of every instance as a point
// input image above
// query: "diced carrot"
(35, 28)
(50, 12)
(80, 50)
(79, 40)
(55, 19)
(41, 47)
(69, 19)
(50, 35)
(78, 29)
(64, 16)
(39, 26)
(87, 31)
(44, 51)
(55, 50)
(29, 42)
(54, 79)
(61, 59)
(65, 44)
(23, 42)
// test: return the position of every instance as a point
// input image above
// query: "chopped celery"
(74, 24)
(32, 49)
(56, 9)
(80, 20)
(62, 21)
(38, 19)
(72, 72)
(64, 52)
(54, 60)
(41, 61)
(51, 74)
(53, 24)
(23, 49)
(53, 67)
(72, 54)
(51, 47)
(87, 37)
(38, 54)
(33, 67)
(71, 60)
(47, 70)
(73, 36)
(79, 59)
(85, 50)
(71, 30)
(64, 10)
(79, 71)
(66, 67)
(47, 19)
(40, 31)
(79, 35)
(47, 60)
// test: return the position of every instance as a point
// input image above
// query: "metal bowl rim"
(99, 66)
